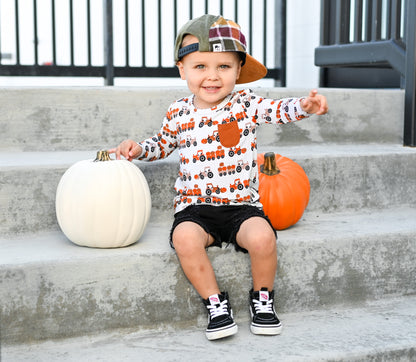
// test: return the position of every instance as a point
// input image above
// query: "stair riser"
(337, 184)
(68, 298)
(365, 182)
(97, 118)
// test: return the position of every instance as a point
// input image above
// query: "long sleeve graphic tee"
(218, 146)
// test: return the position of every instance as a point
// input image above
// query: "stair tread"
(383, 329)
(312, 228)
(66, 158)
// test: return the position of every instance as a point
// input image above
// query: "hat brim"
(251, 71)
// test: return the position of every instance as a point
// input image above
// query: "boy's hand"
(314, 103)
(128, 149)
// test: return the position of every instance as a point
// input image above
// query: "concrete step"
(70, 119)
(52, 288)
(342, 177)
(376, 331)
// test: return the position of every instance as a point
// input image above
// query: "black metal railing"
(373, 33)
(133, 32)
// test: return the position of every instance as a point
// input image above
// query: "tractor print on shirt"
(248, 127)
(190, 141)
(211, 188)
(211, 138)
(205, 173)
(205, 121)
(239, 185)
(236, 150)
(199, 156)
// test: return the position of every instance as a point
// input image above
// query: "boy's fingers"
(323, 107)
(118, 153)
(135, 150)
(114, 150)
(313, 93)
(307, 102)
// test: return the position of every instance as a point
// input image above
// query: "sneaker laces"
(263, 307)
(218, 309)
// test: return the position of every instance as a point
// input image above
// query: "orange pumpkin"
(284, 189)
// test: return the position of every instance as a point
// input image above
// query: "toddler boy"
(217, 199)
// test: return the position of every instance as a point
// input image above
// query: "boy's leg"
(256, 235)
(190, 241)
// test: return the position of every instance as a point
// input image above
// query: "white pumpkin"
(103, 203)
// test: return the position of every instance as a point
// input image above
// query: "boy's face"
(210, 76)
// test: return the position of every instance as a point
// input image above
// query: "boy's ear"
(239, 71)
(181, 70)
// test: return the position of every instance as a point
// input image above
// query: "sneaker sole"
(222, 332)
(269, 331)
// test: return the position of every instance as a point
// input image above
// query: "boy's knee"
(263, 243)
(187, 238)
(182, 242)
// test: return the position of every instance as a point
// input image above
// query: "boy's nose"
(213, 74)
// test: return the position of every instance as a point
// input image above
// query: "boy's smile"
(211, 76)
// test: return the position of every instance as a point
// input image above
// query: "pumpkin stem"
(102, 156)
(269, 167)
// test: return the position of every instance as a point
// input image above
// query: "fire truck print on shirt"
(217, 147)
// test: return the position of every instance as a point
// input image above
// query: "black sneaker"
(220, 317)
(263, 317)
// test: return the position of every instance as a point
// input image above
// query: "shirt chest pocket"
(229, 134)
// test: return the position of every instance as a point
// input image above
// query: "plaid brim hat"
(216, 34)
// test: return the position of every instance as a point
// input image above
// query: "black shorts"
(221, 222)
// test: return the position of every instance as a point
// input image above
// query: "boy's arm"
(285, 110)
(159, 146)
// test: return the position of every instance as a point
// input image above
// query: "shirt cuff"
(143, 151)
(301, 111)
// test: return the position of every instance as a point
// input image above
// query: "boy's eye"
(200, 66)
(224, 66)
